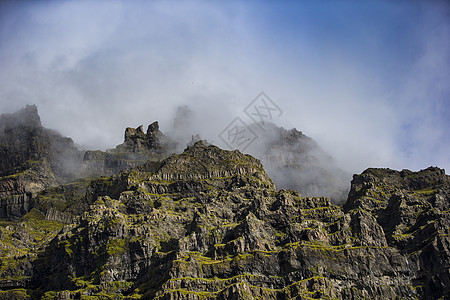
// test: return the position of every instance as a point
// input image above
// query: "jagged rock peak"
(137, 141)
(292, 134)
(137, 148)
(429, 177)
(136, 133)
(133, 133)
(27, 116)
(295, 161)
(200, 144)
(32, 158)
(152, 128)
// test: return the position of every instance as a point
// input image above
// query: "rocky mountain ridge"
(32, 158)
(138, 147)
(210, 224)
(295, 161)
(25, 142)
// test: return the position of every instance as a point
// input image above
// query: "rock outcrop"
(137, 148)
(295, 161)
(25, 142)
(209, 224)
(31, 159)
(413, 209)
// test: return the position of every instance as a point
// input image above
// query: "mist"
(367, 81)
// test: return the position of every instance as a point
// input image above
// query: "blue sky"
(367, 79)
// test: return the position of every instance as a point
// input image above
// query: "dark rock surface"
(137, 148)
(25, 142)
(32, 158)
(209, 224)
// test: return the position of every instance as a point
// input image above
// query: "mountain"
(209, 224)
(24, 142)
(295, 161)
(291, 158)
(32, 158)
(137, 148)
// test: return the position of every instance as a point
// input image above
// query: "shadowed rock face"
(413, 210)
(31, 159)
(136, 149)
(293, 160)
(136, 140)
(209, 224)
(22, 140)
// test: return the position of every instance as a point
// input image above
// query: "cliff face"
(292, 160)
(24, 142)
(31, 159)
(295, 161)
(413, 210)
(209, 224)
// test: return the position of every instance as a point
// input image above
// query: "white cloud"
(95, 67)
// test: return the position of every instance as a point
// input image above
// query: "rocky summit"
(210, 224)
(32, 158)
(138, 147)
(295, 161)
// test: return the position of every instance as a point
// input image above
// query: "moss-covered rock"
(209, 224)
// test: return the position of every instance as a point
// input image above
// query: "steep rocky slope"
(24, 142)
(295, 161)
(31, 159)
(209, 224)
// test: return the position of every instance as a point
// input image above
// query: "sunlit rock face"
(209, 223)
